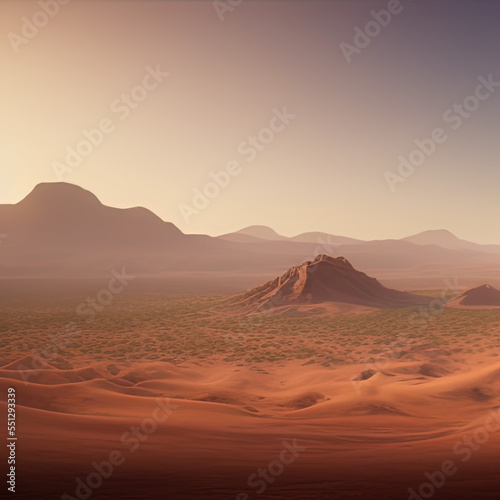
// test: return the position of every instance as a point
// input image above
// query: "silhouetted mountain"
(446, 239)
(62, 229)
(251, 233)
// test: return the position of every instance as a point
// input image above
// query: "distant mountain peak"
(440, 232)
(482, 289)
(60, 193)
(433, 233)
(439, 237)
(262, 232)
(484, 295)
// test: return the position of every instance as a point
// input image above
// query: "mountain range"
(60, 229)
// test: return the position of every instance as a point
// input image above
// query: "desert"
(320, 383)
(249, 250)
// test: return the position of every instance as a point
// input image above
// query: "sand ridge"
(223, 408)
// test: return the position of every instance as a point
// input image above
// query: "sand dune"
(231, 418)
(295, 390)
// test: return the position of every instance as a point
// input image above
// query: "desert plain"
(189, 399)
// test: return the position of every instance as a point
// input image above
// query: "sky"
(315, 124)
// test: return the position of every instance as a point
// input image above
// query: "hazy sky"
(325, 169)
